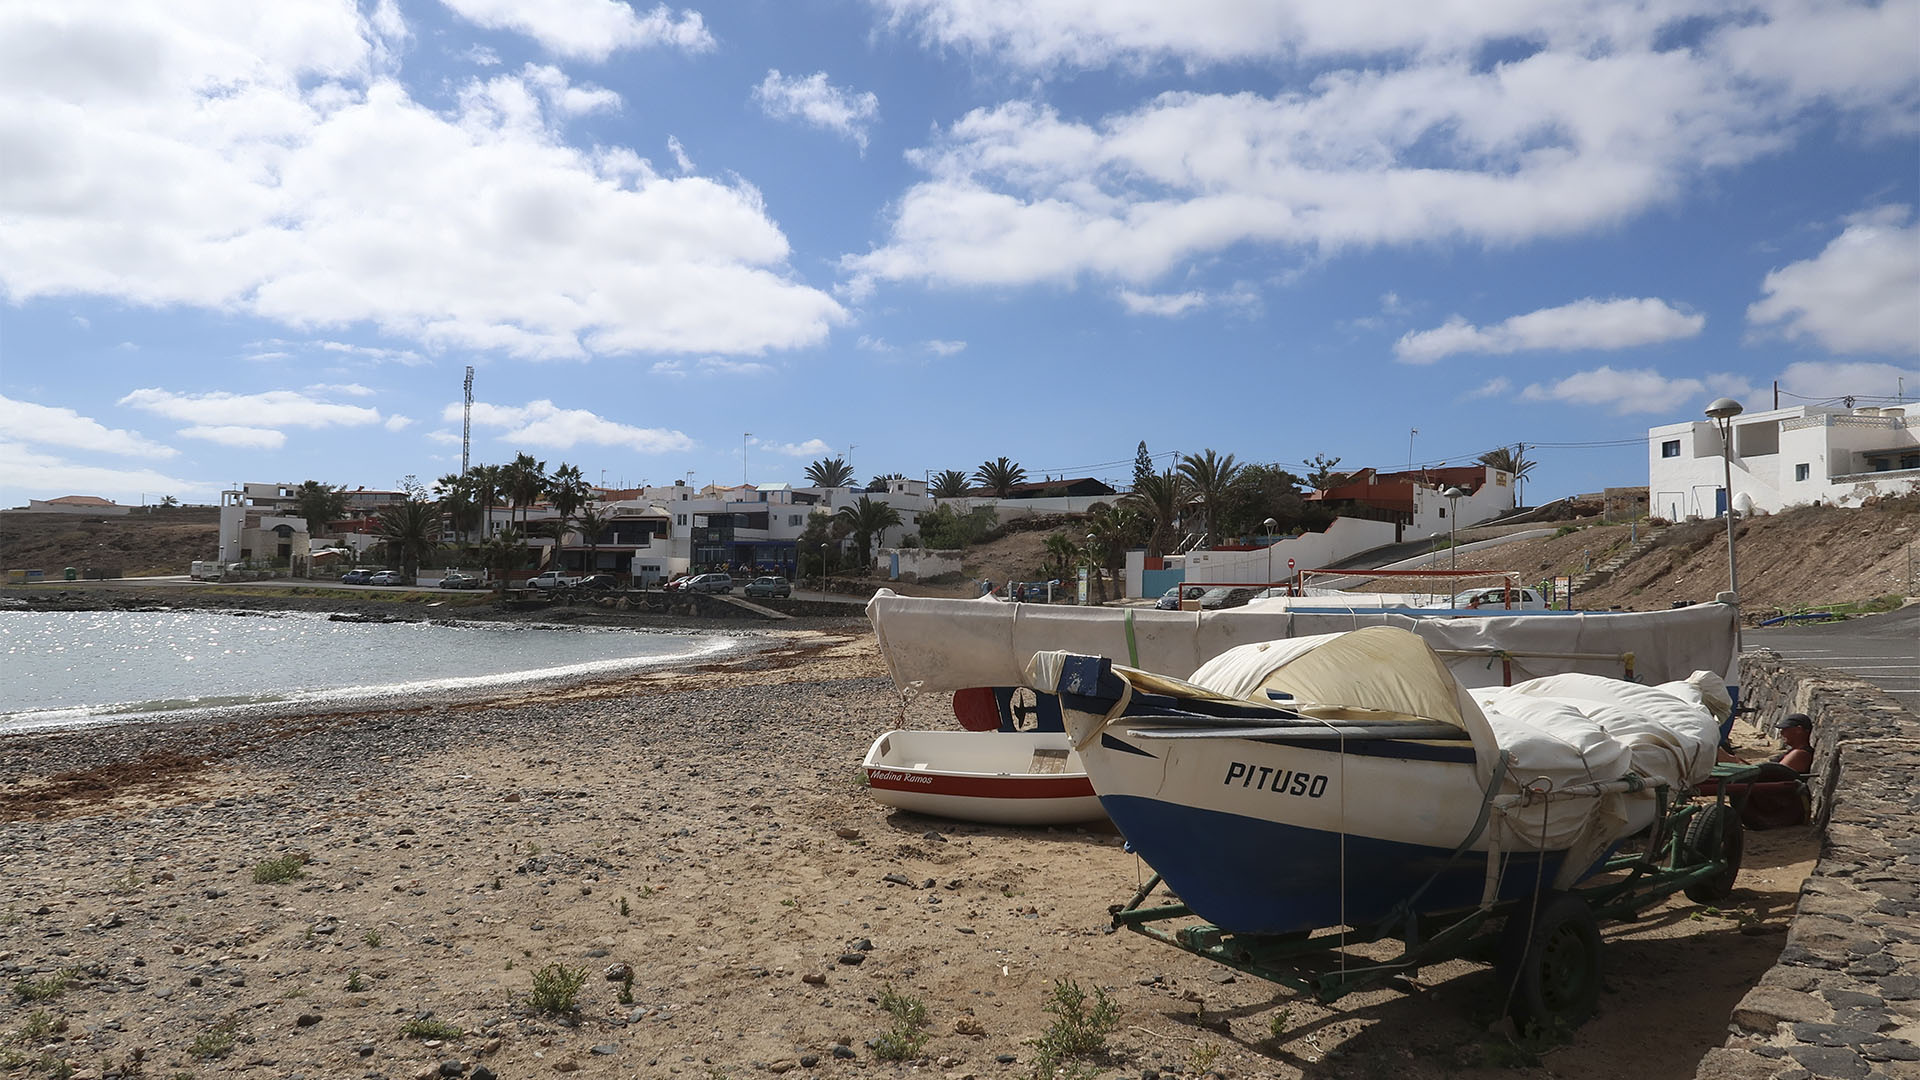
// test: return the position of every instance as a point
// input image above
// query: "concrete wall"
(919, 562)
(1844, 999)
(1346, 536)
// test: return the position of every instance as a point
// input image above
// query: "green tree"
(1000, 476)
(1158, 497)
(525, 480)
(592, 522)
(459, 502)
(1262, 492)
(1142, 464)
(567, 490)
(949, 484)
(819, 544)
(489, 484)
(410, 529)
(1209, 477)
(1062, 556)
(830, 473)
(866, 518)
(319, 504)
(1320, 474)
(505, 551)
(880, 483)
(168, 501)
(1514, 461)
(945, 529)
(1111, 530)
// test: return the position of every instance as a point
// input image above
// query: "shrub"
(554, 988)
(1076, 1030)
(274, 871)
(215, 1042)
(908, 1035)
(426, 1027)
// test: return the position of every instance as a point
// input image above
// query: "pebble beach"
(386, 893)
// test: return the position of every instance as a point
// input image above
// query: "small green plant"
(626, 988)
(497, 886)
(1202, 1059)
(45, 989)
(554, 988)
(371, 937)
(274, 871)
(509, 963)
(1281, 1021)
(130, 883)
(908, 1035)
(215, 1042)
(624, 909)
(10, 917)
(1078, 1029)
(1565, 530)
(533, 849)
(426, 1027)
(356, 982)
(647, 891)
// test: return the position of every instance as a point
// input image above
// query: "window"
(680, 519)
(1670, 448)
(794, 519)
(1801, 472)
(1910, 461)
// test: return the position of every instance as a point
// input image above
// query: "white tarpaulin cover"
(934, 644)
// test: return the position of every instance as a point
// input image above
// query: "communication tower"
(466, 424)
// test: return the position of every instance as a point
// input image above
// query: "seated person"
(1797, 732)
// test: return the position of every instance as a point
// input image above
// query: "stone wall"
(1844, 999)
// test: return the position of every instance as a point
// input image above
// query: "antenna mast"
(466, 424)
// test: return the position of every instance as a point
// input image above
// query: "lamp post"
(1269, 525)
(1722, 412)
(1453, 495)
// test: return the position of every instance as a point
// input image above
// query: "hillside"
(141, 544)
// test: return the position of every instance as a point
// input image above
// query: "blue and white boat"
(1330, 781)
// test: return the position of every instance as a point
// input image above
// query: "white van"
(206, 570)
(1496, 597)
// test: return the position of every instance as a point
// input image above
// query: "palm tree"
(830, 473)
(567, 490)
(1000, 476)
(490, 484)
(410, 529)
(1062, 555)
(865, 518)
(459, 501)
(168, 501)
(879, 483)
(1158, 497)
(1513, 461)
(592, 521)
(950, 484)
(526, 479)
(504, 552)
(1208, 476)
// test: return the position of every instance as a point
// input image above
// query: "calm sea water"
(62, 668)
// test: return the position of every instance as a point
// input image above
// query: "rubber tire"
(1715, 835)
(1551, 962)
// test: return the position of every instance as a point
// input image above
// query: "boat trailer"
(1546, 946)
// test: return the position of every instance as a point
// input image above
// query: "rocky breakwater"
(1844, 999)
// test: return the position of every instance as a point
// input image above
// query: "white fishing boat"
(1005, 778)
(1334, 780)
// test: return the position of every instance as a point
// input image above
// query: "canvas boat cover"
(944, 645)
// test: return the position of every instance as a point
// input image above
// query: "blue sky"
(245, 242)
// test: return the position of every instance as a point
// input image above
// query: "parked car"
(387, 577)
(1169, 600)
(708, 583)
(459, 579)
(552, 579)
(355, 577)
(769, 586)
(597, 582)
(1198, 598)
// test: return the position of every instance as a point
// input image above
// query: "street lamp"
(1722, 412)
(1453, 495)
(1269, 525)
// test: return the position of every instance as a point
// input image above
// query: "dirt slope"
(143, 543)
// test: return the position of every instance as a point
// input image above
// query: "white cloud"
(1583, 324)
(1167, 305)
(1823, 380)
(1493, 387)
(939, 347)
(25, 473)
(404, 357)
(710, 365)
(162, 156)
(398, 423)
(349, 389)
(444, 438)
(544, 424)
(589, 29)
(810, 448)
(53, 426)
(276, 408)
(1406, 137)
(1637, 391)
(814, 100)
(564, 97)
(1859, 295)
(481, 56)
(680, 159)
(869, 343)
(237, 435)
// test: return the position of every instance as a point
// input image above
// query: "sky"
(245, 242)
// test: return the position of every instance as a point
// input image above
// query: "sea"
(74, 668)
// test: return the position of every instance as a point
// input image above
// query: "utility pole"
(466, 426)
(745, 441)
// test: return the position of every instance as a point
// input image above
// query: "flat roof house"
(1783, 457)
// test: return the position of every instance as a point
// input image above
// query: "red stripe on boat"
(980, 787)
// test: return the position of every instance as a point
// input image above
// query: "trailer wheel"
(1550, 964)
(1715, 835)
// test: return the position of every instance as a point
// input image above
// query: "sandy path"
(704, 827)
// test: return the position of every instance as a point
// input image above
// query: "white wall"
(920, 562)
(1769, 448)
(1346, 536)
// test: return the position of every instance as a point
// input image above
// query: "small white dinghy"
(997, 777)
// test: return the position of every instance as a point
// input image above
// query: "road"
(1882, 649)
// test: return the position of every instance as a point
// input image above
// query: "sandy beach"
(703, 828)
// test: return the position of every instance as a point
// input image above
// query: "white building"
(1782, 457)
(262, 533)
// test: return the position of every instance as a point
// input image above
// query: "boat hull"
(1001, 778)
